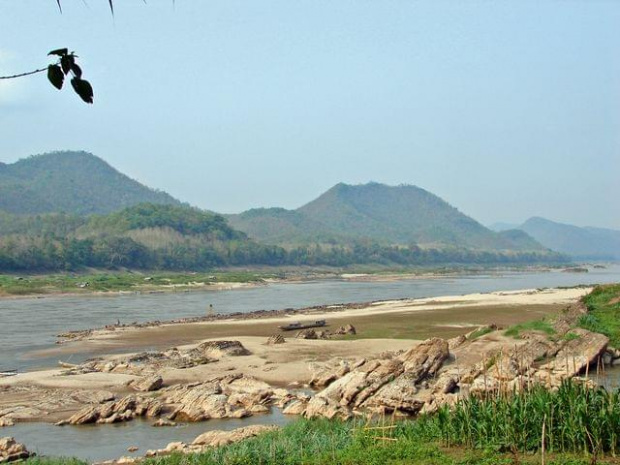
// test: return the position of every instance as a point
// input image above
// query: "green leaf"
(77, 71)
(65, 62)
(55, 76)
(83, 88)
(60, 52)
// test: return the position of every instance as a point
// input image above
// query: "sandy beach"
(396, 325)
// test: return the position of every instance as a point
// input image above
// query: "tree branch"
(24, 74)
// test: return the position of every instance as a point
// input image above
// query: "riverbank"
(100, 283)
(380, 327)
(230, 375)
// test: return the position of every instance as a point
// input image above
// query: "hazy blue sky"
(506, 109)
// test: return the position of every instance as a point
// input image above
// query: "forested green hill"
(70, 182)
(71, 210)
(401, 215)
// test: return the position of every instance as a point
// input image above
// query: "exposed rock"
(457, 341)
(148, 363)
(148, 384)
(311, 333)
(227, 397)
(576, 355)
(347, 329)
(5, 421)
(481, 330)
(223, 348)
(10, 450)
(125, 460)
(325, 375)
(296, 407)
(276, 339)
(325, 407)
(259, 409)
(163, 422)
(125, 409)
(132, 448)
(382, 385)
(221, 438)
(214, 438)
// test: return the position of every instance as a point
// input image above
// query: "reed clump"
(575, 418)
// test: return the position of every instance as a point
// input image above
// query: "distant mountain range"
(70, 182)
(583, 243)
(50, 199)
(400, 215)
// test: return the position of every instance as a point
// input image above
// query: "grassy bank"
(603, 316)
(16, 285)
(576, 425)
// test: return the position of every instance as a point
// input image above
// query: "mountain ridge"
(395, 215)
(75, 182)
(587, 243)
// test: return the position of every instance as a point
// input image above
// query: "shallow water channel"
(29, 325)
(96, 443)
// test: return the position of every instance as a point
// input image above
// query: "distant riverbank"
(103, 283)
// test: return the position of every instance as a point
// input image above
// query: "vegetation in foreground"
(603, 316)
(576, 424)
(543, 326)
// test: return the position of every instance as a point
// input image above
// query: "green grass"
(577, 420)
(115, 282)
(582, 426)
(570, 336)
(480, 332)
(536, 325)
(603, 316)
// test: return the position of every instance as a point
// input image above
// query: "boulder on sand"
(222, 348)
(148, 384)
(11, 450)
(276, 339)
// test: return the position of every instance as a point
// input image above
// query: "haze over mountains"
(344, 221)
(583, 243)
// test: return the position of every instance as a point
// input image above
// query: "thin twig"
(24, 74)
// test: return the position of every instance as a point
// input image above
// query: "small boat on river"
(299, 325)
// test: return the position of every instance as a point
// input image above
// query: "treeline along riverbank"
(170, 237)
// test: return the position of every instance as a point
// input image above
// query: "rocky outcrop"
(144, 363)
(347, 329)
(5, 421)
(149, 363)
(148, 384)
(324, 375)
(276, 339)
(221, 438)
(583, 350)
(383, 385)
(11, 450)
(223, 348)
(234, 396)
(125, 409)
(39, 401)
(212, 439)
(163, 422)
(311, 333)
